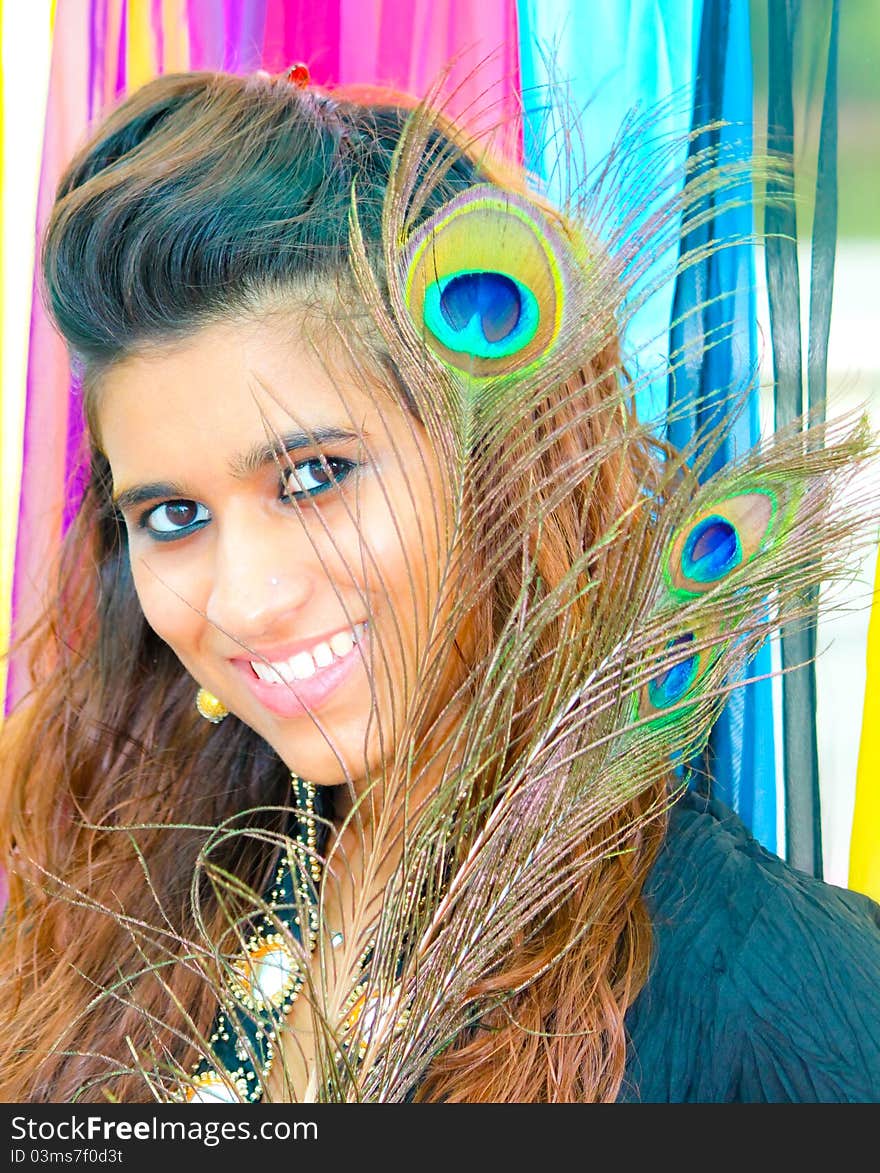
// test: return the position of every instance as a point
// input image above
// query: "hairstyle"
(200, 198)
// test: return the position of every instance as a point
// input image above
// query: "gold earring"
(210, 708)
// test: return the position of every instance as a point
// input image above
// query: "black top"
(765, 984)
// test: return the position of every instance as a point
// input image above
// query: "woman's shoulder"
(765, 983)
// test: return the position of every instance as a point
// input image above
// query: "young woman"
(367, 494)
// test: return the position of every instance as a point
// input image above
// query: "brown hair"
(200, 193)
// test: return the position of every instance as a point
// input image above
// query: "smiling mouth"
(305, 664)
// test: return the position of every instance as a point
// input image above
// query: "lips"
(302, 665)
(292, 683)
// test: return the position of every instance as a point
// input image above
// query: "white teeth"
(302, 666)
(265, 672)
(322, 655)
(342, 643)
(306, 664)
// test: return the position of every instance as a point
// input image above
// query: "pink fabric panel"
(50, 406)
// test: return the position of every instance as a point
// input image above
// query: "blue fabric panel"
(714, 312)
(584, 67)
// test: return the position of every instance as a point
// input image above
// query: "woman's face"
(284, 534)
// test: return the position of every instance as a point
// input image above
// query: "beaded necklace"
(266, 977)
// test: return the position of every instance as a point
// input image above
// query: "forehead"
(233, 381)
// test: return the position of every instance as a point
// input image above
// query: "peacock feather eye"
(485, 281)
(711, 550)
(722, 538)
(678, 676)
(674, 683)
(488, 315)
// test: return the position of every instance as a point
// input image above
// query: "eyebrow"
(261, 454)
(137, 494)
(240, 466)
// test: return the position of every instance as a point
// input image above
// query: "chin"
(318, 758)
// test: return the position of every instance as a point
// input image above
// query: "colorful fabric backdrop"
(513, 64)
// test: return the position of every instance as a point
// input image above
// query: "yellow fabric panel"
(864, 849)
(140, 49)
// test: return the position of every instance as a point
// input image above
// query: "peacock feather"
(606, 656)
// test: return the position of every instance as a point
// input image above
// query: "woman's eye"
(175, 519)
(309, 477)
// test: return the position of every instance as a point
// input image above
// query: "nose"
(262, 576)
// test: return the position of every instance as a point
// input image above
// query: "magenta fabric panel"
(97, 40)
(207, 33)
(306, 31)
(412, 45)
(407, 45)
(119, 86)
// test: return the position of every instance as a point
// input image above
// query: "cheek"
(171, 603)
(400, 532)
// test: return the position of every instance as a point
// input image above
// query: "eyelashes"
(173, 520)
(308, 478)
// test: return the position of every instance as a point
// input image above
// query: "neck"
(373, 817)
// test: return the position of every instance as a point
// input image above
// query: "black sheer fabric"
(765, 985)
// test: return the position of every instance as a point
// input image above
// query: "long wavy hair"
(199, 198)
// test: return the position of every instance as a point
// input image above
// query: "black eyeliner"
(174, 534)
(325, 462)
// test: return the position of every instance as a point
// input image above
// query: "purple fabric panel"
(206, 21)
(76, 464)
(158, 26)
(97, 36)
(245, 27)
(121, 63)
